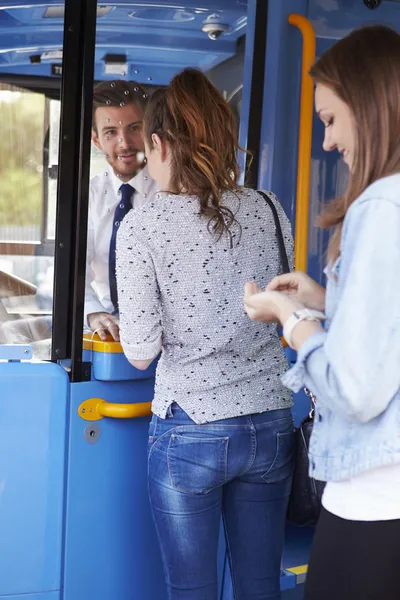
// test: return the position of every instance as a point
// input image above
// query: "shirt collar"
(140, 182)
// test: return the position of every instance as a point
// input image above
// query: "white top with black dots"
(181, 290)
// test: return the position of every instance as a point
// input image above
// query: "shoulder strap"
(279, 235)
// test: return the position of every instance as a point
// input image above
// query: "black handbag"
(306, 493)
(305, 496)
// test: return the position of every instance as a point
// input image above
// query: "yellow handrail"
(305, 139)
(94, 409)
(124, 411)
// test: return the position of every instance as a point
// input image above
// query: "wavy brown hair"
(363, 70)
(197, 123)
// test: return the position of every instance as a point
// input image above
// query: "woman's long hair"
(363, 70)
(197, 123)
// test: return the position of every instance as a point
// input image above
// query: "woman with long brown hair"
(221, 437)
(352, 365)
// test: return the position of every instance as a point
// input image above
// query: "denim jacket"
(353, 367)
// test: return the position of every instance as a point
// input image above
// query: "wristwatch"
(304, 314)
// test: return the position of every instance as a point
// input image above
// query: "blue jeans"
(241, 467)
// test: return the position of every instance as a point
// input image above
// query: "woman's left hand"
(268, 306)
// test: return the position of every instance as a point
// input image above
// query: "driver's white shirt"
(103, 200)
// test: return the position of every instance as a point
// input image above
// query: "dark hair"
(192, 116)
(363, 70)
(118, 93)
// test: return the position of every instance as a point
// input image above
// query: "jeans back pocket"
(197, 465)
(283, 463)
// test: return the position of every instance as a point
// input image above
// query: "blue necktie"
(122, 209)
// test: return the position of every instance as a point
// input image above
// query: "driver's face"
(119, 136)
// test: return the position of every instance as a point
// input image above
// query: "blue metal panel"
(44, 596)
(247, 70)
(280, 122)
(328, 179)
(111, 547)
(328, 172)
(33, 407)
(334, 20)
(288, 581)
(15, 352)
(278, 167)
(108, 366)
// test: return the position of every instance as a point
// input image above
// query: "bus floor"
(295, 559)
(294, 564)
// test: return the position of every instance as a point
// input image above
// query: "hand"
(101, 322)
(268, 306)
(300, 287)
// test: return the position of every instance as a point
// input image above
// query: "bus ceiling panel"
(162, 41)
(333, 19)
(158, 39)
(230, 14)
(215, 32)
(39, 48)
(157, 74)
(171, 16)
(46, 38)
(157, 69)
(55, 8)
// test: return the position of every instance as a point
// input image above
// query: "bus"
(75, 522)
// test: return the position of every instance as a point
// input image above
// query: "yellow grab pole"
(305, 139)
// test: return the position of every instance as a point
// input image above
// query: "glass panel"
(54, 136)
(29, 124)
(131, 62)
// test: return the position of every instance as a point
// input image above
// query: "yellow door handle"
(94, 409)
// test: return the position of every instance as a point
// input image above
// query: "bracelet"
(304, 314)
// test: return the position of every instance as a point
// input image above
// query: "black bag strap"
(279, 234)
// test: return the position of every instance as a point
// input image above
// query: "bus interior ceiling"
(148, 42)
